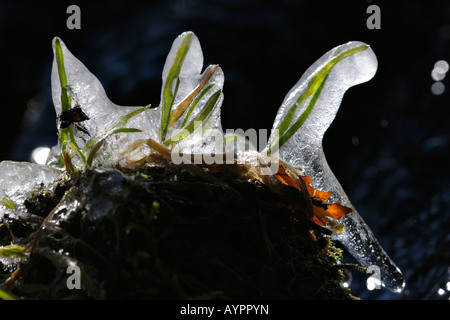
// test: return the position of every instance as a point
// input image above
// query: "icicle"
(305, 114)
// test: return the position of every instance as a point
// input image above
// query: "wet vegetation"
(164, 233)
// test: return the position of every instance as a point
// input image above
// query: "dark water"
(388, 146)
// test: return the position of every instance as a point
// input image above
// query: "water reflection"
(443, 292)
(437, 88)
(438, 74)
(439, 70)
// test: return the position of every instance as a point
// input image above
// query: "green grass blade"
(128, 116)
(284, 125)
(180, 109)
(93, 153)
(165, 128)
(65, 98)
(168, 97)
(189, 129)
(63, 135)
(317, 79)
(5, 295)
(13, 251)
(94, 149)
(118, 127)
(74, 145)
(303, 116)
(195, 103)
(8, 203)
(125, 130)
(206, 111)
(286, 129)
(283, 137)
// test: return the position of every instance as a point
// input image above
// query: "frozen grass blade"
(130, 115)
(13, 251)
(93, 153)
(195, 103)
(285, 134)
(189, 129)
(8, 203)
(65, 134)
(65, 98)
(74, 145)
(98, 145)
(178, 112)
(173, 77)
(93, 147)
(125, 130)
(118, 127)
(286, 129)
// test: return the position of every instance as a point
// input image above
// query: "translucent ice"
(187, 118)
(18, 180)
(190, 100)
(86, 91)
(305, 114)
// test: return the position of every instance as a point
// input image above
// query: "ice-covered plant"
(94, 132)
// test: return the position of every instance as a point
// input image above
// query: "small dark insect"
(76, 114)
(73, 116)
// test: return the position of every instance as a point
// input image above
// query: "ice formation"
(83, 89)
(187, 95)
(18, 180)
(305, 114)
(187, 120)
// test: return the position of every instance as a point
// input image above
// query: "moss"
(163, 233)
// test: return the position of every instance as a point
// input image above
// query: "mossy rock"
(163, 233)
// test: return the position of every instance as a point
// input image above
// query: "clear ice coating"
(187, 120)
(17, 181)
(305, 114)
(187, 95)
(87, 92)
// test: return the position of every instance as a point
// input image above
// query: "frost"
(18, 180)
(304, 116)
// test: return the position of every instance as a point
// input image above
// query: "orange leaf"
(322, 195)
(325, 215)
(334, 210)
(337, 211)
(286, 179)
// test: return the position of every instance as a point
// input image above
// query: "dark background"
(388, 146)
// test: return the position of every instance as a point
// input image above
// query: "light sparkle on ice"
(309, 108)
